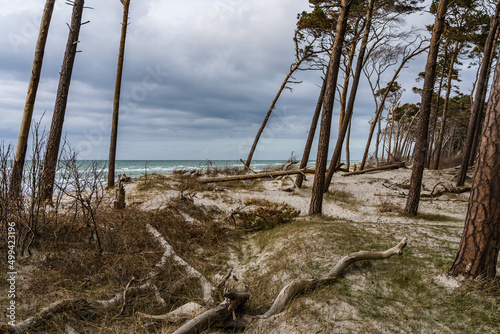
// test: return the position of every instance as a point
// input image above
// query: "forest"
(305, 247)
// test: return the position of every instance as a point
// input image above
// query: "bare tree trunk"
(310, 137)
(352, 97)
(345, 87)
(326, 117)
(116, 101)
(391, 129)
(438, 102)
(481, 86)
(377, 143)
(449, 79)
(420, 150)
(50, 162)
(22, 140)
(382, 103)
(480, 244)
(271, 108)
(347, 147)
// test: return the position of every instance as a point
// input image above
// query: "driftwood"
(223, 312)
(255, 176)
(294, 288)
(219, 313)
(207, 287)
(446, 190)
(364, 171)
(117, 300)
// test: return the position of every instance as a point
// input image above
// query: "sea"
(136, 168)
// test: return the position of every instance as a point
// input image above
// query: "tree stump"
(120, 197)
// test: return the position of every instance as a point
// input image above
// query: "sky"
(199, 77)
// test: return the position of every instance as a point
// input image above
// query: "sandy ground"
(369, 192)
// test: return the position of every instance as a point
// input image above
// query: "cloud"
(198, 80)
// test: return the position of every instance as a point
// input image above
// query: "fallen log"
(294, 288)
(255, 176)
(370, 170)
(446, 190)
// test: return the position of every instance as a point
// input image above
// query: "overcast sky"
(199, 77)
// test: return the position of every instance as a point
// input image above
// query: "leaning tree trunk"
(439, 144)
(294, 68)
(438, 102)
(310, 137)
(116, 101)
(481, 86)
(478, 250)
(22, 140)
(50, 162)
(316, 204)
(352, 97)
(420, 150)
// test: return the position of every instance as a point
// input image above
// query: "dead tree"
(421, 146)
(22, 140)
(301, 56)
(50, 162)
(116, 101)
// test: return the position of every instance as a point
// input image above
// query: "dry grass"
(66, 264)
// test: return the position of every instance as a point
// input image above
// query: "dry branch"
(255, 176)
(214, 315)
(207, 287)
(294, 288)
(364, 171)
(64, 305)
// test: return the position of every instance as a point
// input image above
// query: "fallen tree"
(256, 176)
(377, 169)
(202, 316)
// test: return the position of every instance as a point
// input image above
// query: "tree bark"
(116, 101)
(479, 124)
(22, 140)
(449, 79)
(480, 244)
(352, 97)
(50, 162)
(326, 117)
(310, 137)
(481, 86)
(420, 150)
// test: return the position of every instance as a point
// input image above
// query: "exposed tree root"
(207, 287)
(294, 288)
(201, 317)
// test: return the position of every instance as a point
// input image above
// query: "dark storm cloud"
(199, 77)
